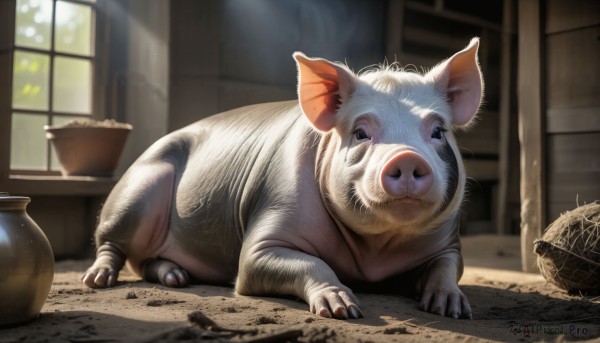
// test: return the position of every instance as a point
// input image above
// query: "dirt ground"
(507, 306)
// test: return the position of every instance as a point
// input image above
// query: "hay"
(96, 123)
(569, 251)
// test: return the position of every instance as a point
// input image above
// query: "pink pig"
(359, 182)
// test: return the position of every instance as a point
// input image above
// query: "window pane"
(61, 120)
(33, 23)
(56, 121)
(72, 85)
(28, 142)
(30, 80)
(73, 28)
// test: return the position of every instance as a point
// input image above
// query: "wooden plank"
(530, 129)
(572, 120)
(192, 98)
(453, 15)
(194, 38)
(194, 67)
(567, 189)
(573, 69)
(5, 114)
(146, 78)
(573, 14)
(395, 25)
(573, 186)
(573, 153)
(7, 33)
(483, 137)
(7, 24)
(117, 37)
(414, 62)
(63, 220)
(507, 81)
(481, 170)
(446, 40)
(478, 146)
(143, 102)
(490, 60)
(101, 61)
(233, 94)
(29, 185)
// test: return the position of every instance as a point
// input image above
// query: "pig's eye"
(438, 132)
(361, 134)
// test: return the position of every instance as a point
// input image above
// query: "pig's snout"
(407, 174)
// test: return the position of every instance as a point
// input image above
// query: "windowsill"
(57, 185)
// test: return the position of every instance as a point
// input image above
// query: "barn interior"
(163, 64)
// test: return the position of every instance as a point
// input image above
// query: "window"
(53, 68)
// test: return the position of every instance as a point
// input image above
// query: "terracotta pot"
(88, 151)
(26, 263)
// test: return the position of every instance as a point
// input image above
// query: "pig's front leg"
(105, 270)
(286, 271)
(439, 288)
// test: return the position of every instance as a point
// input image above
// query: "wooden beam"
(394, 27)
(531, 126)
(507, 99)
(7, 37)
(453, 15)
(569, 15)
(446, 40)
(31, 185)
(194, 61)
(573, 120)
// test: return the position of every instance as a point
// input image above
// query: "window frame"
(48, 181)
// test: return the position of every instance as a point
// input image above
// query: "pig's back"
(220, 185)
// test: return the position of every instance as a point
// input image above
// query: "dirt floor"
(507, 306)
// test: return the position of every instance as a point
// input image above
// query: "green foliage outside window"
(52, 73)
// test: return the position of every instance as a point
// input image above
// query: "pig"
(358, 182)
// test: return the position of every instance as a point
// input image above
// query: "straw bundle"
(569, 251)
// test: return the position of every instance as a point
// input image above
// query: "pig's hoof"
(176, 277)
(100, 277)
(451, 303)
(166, 272)
(335, 303)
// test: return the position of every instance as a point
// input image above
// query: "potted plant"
(88, 147)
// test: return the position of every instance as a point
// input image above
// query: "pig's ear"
(459, 78)
(322, 87)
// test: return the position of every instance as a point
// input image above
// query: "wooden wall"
(572, 40)
(422, 33)
(230, 53)
(138, 72)
(226, 54)
(68, 222)
(135, 82)
(559, 112)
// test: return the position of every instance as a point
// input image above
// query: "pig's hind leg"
(165, 272)
(134, 225)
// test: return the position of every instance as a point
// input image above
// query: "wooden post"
(7, 40)
(531, 129)
(507, 101)
(395, 25)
